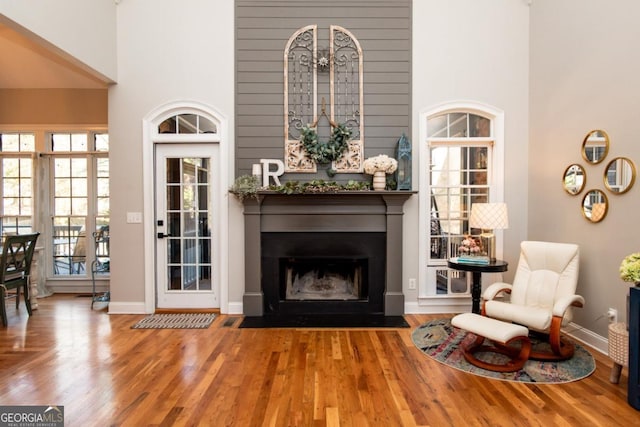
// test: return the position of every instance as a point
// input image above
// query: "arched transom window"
(187, 124)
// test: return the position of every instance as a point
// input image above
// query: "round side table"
(618, 349)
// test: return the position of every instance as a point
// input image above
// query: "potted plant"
(630, 272)
(379, 166)
(630, 268)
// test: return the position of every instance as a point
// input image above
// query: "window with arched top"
(187, 124)
(461, 166)
(310, 69)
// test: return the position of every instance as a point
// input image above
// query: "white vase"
(379, 180)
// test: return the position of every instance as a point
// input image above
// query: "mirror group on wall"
(618, 177)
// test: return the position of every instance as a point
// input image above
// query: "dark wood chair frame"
(15, 269)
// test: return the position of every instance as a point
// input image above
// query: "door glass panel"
(173, 223)
(205, 253)
(189, 251)
(175, 278)
(173, 197)
(189, 247)
(174, 250)
(173, 171)
(203, 225)
(205, 278)
(189, 221)
(189, 197)
(203, 191)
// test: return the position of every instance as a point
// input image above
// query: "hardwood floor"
(105, 373)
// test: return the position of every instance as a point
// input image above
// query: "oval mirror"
(619, 175)
(595, 146)
(595, 205)
(574, 179)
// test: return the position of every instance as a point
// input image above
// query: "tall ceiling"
(27, 64)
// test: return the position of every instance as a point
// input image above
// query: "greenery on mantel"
(248, 186)
(245, 186)
(319, 186)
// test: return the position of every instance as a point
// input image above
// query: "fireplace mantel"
(348, 211)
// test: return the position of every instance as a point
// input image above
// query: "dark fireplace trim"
(367, 211)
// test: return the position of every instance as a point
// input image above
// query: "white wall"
(84, 30)
(470, 50)
(166, 53)
(584, 76)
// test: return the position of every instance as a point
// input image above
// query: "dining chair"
(15, 269)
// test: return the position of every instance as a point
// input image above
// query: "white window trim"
(453, 303)
(150, 136)
(42, 199)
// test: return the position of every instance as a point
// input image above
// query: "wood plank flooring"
(105, 373)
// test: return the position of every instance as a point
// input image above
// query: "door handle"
(162, 235)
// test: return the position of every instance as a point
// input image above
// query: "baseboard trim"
(127, 308)
(587, 337)
(438, 306)
(234, 308)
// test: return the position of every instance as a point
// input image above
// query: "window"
(460, 154)
(16, 170)
(79, 170)
(187, 124)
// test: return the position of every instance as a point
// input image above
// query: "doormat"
(443, 342)
(325, 321)
(176, 321)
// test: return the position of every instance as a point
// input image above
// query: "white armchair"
(542, 294)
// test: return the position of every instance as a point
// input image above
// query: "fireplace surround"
(346, 246)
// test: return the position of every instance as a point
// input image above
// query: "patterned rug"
(176, 321)
(442, 342)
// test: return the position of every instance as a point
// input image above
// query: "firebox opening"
(312, 278)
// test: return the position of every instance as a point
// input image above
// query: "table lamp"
(489, 217)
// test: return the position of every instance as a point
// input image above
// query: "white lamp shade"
(489, 216)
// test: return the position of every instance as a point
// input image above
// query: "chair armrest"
(564, 303)
(494, 289)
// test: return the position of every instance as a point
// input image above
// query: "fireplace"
(323, 279)
(323, 272)
(327, 253)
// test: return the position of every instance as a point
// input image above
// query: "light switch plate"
(134, 217)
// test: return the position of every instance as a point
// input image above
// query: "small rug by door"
(441, 341)
(176, 321)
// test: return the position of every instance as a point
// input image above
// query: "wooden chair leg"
(517, 356)
(560, 349)
(3, 306)
(27, 295)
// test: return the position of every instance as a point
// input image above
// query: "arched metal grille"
(303, 59)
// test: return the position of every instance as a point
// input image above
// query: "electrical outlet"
(612, 314)
(412, 283)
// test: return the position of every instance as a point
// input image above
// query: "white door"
(184, 218)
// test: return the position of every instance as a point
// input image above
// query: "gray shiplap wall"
(382, 27)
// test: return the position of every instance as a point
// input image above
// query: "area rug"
(441, 341)
(176, 321)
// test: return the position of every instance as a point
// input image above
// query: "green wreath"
(328, 151)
